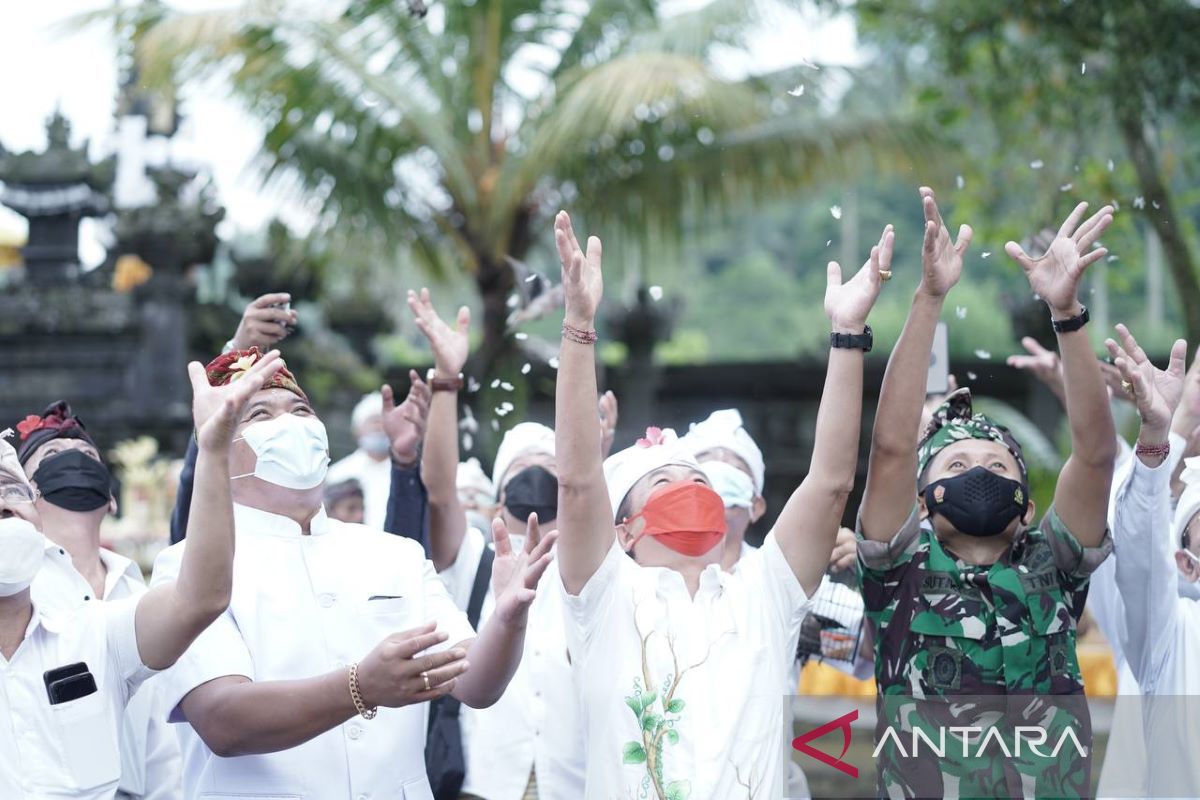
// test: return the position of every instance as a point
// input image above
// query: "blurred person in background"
(371, 463)
(344, 501)
(476, 494)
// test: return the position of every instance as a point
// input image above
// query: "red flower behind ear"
(28, 426)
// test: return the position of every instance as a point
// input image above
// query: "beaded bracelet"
(1154, 450)
(578, 335)
(356, 695)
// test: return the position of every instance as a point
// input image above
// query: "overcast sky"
(45, 67)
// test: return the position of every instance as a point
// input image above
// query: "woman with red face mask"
(678, 663)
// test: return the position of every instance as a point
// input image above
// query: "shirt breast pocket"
(950, 649)
(380, 604)
(89, 740)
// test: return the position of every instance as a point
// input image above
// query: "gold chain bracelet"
(356, 695)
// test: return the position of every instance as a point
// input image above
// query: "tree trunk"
(1163, 218)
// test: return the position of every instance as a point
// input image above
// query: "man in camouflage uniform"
(973, 608)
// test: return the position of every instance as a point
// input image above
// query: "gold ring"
(1128, 387)
(425, 677)
(885, 274)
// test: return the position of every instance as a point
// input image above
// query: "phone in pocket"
(58, 673)
(64, 690)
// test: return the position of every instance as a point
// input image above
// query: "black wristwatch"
(853, 341)
(1072, 324)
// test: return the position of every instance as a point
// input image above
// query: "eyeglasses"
(17, 493)
(1192, 557)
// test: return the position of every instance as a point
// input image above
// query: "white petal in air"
(960, 312)
(1139, 202)
(959, 181)
(835, 212)
(797, 92)
(1066, 187)
(985, 254)
(520, 337)
(1083, 68)
(526, 368)
(971, 376)
(1037, 164)
(983, 355)
(656, 293)
(553, 362)
(1111, 165)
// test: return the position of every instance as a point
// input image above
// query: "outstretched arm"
(447, 520)
(1081, 497)
(809, 522)
(496, 653)
(892, 474)
(170, 616)
(584, 514)
(1145, 568)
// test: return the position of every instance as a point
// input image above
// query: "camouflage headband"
(955, 420)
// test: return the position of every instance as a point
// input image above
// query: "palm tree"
(459, 134)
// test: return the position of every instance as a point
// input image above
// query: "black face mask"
(979, 502)
(532, 490)
(74, 481)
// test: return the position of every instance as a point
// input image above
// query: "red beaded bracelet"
(1154, 450)
(578, 335)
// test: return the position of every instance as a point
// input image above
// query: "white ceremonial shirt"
(535, 724)
(150, 758)
(1161, 632)
(68, 750)
(305, 605)
(376, 479)
(698, 679)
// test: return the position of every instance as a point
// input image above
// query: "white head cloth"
(472, 478)
(660, 448)
(725, 429)
(525, 438)
(370, 406)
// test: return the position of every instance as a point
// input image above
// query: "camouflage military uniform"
(947, 628)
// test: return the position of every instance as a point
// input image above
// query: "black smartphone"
(65, 690)
(58, 673)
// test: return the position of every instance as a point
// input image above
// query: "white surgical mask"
(377, 444)
(22, 549)
(292, 451)
(734, 486)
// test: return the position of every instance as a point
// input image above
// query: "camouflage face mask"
(954, 421)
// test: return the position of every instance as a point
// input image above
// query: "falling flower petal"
(531, 278)
(506, 386)
(1066, 187)
(1112, 258)
(960, 312)
(525, 368)
(496, 383)
(656, 293)
(983, 355)
(959, 181)
(495, 424)
(1083, 68)
(553, 362)
(808, 63)
(512, 301)
(1155, 204)
(797, 92)
(468, 441)
(1111, 165)
(985, 254)
(472, 385)
(1037, 164)
(500, 411)
(835, 212)
(971, 376)
(520, 337)
(829, 243)
(1139, 202)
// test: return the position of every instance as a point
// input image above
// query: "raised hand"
(583, 284)
(1045, 365)
(450, 346)
(515, 575)
(1056, 275)
(1155, 392)
(845, 551)
(264, 324)
(848, 304)
(941, 259)
(398, 672)
(216, 410)
(608, 422)
(405, 424)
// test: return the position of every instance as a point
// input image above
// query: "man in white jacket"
(1161, 632)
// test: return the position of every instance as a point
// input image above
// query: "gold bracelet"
(356, 695)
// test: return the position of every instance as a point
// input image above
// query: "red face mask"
(686, 516)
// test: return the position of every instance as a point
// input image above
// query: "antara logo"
(801, 743)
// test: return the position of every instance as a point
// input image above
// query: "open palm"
(583, 283)
(941, 258)
(1155, 391)
(1056, 275)
(450, 346)
(848, 304)
(216, 410)
(515, 574)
